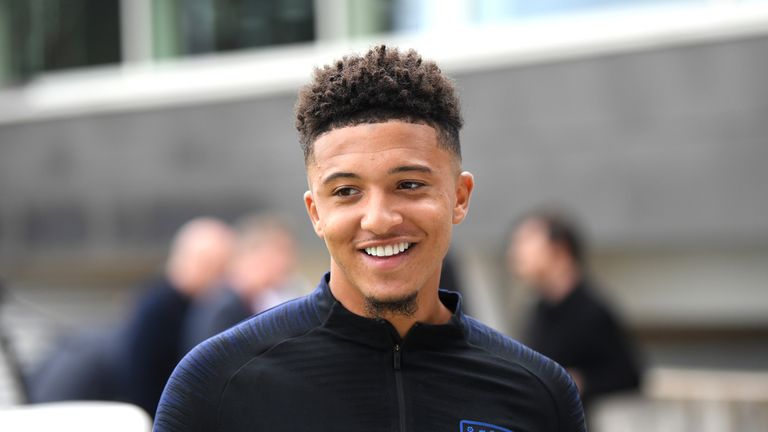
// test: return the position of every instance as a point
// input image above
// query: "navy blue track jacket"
(312, 365)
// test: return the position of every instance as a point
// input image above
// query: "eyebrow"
(340, 174)
(408, 168)
(396, 170)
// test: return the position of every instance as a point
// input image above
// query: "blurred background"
(122, 119)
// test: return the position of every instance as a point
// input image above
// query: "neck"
(428, 307)
(181, 283)
(432, 311)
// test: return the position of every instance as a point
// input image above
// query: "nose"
(380, 214)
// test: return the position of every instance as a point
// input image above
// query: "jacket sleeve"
(567, 400)
(562, 391)
(561, 400)
(191, 398)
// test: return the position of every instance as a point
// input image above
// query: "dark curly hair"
(384, 84)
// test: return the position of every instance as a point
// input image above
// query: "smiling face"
(384, 198)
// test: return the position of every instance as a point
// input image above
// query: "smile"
(388, 250)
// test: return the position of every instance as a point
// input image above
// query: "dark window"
(203, 26)
(47, 35)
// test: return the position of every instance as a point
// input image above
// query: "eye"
(345, 191)
(410, 185)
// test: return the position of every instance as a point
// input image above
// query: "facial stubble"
(405, 306)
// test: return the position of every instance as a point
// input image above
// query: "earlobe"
(464, 186)
(309, 203)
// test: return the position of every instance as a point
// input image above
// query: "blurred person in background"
(261, 275)
(570, 323)
(133, 362)
(152, 338)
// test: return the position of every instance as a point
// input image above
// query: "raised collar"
(379, 333)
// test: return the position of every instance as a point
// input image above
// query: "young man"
(376, 347)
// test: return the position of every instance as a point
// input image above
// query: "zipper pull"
(397, 356)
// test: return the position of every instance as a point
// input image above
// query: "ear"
(464, 186)
(309, 202)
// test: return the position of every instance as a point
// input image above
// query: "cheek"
(537, 258)
(435, 219)
(336, 225)
(440, 215)
(524, 258)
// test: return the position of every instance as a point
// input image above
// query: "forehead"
(379, 142)
(531, 229)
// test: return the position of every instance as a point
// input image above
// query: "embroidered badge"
(475, 426)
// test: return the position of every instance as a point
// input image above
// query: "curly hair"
(384, 84)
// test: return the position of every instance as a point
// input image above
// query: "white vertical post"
(331, 20)
(136, 30)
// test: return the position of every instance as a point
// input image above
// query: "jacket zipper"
(397, 349)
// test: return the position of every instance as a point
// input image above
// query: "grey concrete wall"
(654, 148)
(665, 147)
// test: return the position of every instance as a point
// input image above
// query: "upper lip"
(387, 242)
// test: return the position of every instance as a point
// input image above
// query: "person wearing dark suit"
(570, 322)
(132, 361)
(150, 339)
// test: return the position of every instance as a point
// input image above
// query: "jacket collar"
(379, 333)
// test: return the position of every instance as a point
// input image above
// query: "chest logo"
(475, 426)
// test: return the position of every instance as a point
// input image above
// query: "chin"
(404, 305)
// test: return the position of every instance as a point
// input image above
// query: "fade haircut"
(384, 84)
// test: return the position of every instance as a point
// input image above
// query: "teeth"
(388, 250)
